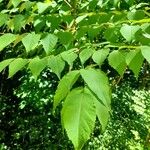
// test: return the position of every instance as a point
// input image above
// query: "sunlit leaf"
(146, 52)
(56, 64)
(16, 2)
(5, 63)
(65, 86)
(102, 112)
(36, 66)
(134, 61)
(42, 7)
(65, 37)
(117, 61)
(85, 54)
(69, 56)
(128, 32)
(3, 19)
(31, 41)
(49, 41)
(98, 83)
(16, 65)
(6, 39)
(100, 55)
(78, 117)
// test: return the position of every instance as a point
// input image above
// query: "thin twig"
(67, 3)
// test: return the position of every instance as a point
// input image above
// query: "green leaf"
(16, 65)
(69, 56)
(49, 41)
(117, 61)
(39, 23)
(85, 54)
(111, 34)
(145, 28)
(80, 18)
(5, 63)
(65, 37)
(104, 18)
(31, 41)
(93, 32)
(129, 2)
(3, 19)
(10, 24)
(81, 32)
(19, 22)
(100, 55)
(56, 64)
(6, 39)
(42, 7)
(146, 52)
(78, 117)
(18, 39)
(102, 112)
(65, 86)
(93, 19)
(128, 32)
(134, 60)
(54, 20)
(36, 66)
(136, 15)
(16, 2)
(98, 83)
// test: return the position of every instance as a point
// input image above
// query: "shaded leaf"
(136, 15)
(93, 32)
(65, 37)
(39, 23)
(81, 32)
(112, 34)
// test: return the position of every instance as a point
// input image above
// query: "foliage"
(87, 37)
(28, 122)
(128, 127)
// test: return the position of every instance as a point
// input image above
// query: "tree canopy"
(89, 45)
